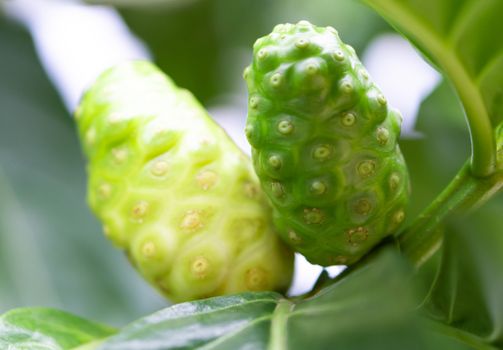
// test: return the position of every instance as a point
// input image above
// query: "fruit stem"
(466, 192)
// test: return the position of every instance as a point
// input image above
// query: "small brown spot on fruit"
(398, 217)
(276, 79)
(322, 152)
(382, 135)
(275, 161)
(120, 154)
(363, 206)
(348, 119)
(347, 87)
(159, 168)
(394, 181)
(294, 237)
(311, 69)
(357, 235)
(254, 102)
(302, 43)
(148, 250)
(251, 190)
(366, 168)
(285, 127)
(318, 187)
(338, 55)
(246, 72)
(200, 267)
(277, 189)
(192, 220)
(140, 210)
(262, 53)
(381, 100)
(104, 191)
(256, 279)
(313, 216)
(206, 179)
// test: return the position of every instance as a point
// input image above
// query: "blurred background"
(52, 251)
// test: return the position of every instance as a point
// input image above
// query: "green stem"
(466, 191)
(278, 340)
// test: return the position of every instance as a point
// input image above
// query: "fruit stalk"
(466, 192)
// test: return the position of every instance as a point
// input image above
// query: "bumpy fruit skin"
(499, 145)
(174, 191)
(324, 144)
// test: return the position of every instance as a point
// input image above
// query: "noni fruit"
(324, 144)
(173, 191)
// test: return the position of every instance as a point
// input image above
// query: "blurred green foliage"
(468, 285)
(52, 252)
(442, 147)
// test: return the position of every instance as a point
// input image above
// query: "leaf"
(460, 38)
(345, 315)
(52, 250)
(47, 329)
(468, 290)
(442, 147)
(222, 322)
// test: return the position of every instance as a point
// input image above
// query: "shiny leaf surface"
(344, 314)
(47, 329)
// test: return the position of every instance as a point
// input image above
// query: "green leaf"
(345, 314)
(469, 285)
(462, 39)
(220, 323)
(47, 329)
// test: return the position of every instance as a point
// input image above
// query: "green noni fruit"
(173, 191)
(324, 144)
